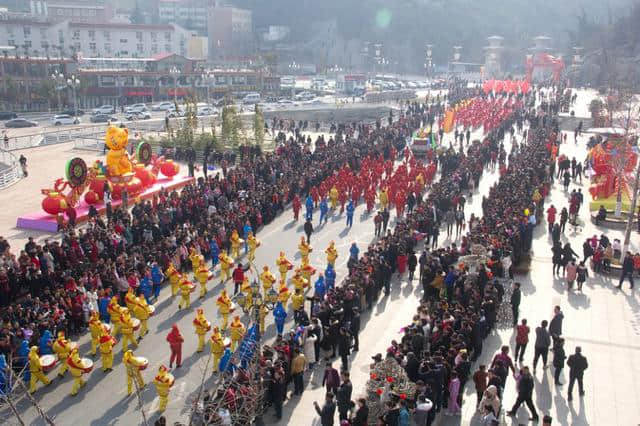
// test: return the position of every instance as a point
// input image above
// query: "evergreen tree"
(258, 126)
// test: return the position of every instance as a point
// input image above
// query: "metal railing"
(12, 171)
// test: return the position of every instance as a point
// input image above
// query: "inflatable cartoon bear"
(118, 162)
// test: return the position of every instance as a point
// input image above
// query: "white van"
(251, 98)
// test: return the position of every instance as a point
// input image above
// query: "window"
(60, 36)
(27, 31)
(78, 47)
(140, 47)
(92, 46)
(139, 35)
(92, 34)
(44, 44)
(154, 36)
(60, 12)
(124, 40)
(27, 43)
(221, 79)
(10, 31)
(154, 48)
(76, 35)
(43, 33)
(107, 35)
(167, 48)
(11, 42)
(107, 81)
(167, 36)
(107, 47)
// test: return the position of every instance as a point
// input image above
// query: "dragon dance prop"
(614, 162)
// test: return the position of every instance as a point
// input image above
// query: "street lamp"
(206, 79)
(74, 83)
(60, 83)
(175, 72)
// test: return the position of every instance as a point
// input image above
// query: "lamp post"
(429, 60)
(258, 304)
(206, 79)
(175, 72)
(60, 83)
(74, 83)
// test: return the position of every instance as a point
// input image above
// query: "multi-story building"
(86, 11)
(191, 14)
(229, 31)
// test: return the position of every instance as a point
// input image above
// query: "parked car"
(103, 118)
(305, 96)
(284, 103)
(105, 109)
(136, 108)
(251, 98)
(162, 106)
(61, 119)
(20, 122)
(7, 115)
(141, 115)
(72, 112)
(207, 110)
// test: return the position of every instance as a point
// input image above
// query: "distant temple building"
(493, 57)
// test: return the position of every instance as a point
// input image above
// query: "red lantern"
(144, 175)
(389, 379)
(374, 376)
(379, 391)
(403, 396)
(54, 203)
(91, 197)
(169, 168)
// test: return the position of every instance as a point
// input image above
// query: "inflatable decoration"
(614, 162)
(120, 173)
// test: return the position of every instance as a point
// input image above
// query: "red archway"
(544, 60)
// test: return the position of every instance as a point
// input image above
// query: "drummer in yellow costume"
(384, 198)
(114, 308)
(202, 327)
(253, 244)
(77, 369)
(35, 367)
(126, 322)
(267, 278)
(305, 249)
(332, 254)
(237, 332)
(333, 196)
(299, 282)
(297, 300)
(248, 292)
(226, 263)
(283, 294)
(130, 299)
(132, 364)
(186, 287)
(306, 270)
(95, 326)
(142, 311)
(194, 257)
(203, 275)
(224, 307)
(283, 265)
(235, 244)
(174, 279)
(217, 347)
(163, 382)
(107, 342)
(62, 348)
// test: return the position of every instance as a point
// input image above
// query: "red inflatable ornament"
(169, 168)
(144, 175)
(403, 396)
(379, 391)
(54, 203)
(97, 186)
(373, 376)
(91, 197)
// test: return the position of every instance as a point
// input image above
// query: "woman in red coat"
(175, 340)
(402, 262)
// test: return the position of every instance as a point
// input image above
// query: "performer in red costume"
(175, 340)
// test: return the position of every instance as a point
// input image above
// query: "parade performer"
(62, 348)
(35, 367)
(224, 307)
(324, 210)
(248, 292)
(342, 197)
(237, 332)
(226, 263)
(202, 328)
(217, 347)
(114, 310)
(4, 375)
(186, 287)
(77, 369)
(133, 365)
(283, 265)
(299, 282)
(332, 253)
(246, 229)
(195, 259)
(174, 279)
(306, 270)
(297, 300)
(235, 244)
(142, 310)
(330, 277)
(107, 342)
(203, 275)
(308, 204)
(279, 315)
(370, 199)
(163, 382)
(267, 278)
(333, 196)
(126, 322)
(283, 293)
(157, 277)
(215, 252)
(175, 340)
(253, 243)
(296, 204)
(350, 211)
(320, 288)
(46, 343)
(315, 196)
(304, 248)
(384, 198)
(130, 299)
(95, 326)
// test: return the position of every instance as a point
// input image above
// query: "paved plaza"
(603, 320)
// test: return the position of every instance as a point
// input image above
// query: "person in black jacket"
(308, 229)
(515, 302)
(558, 360)
(344, 346)
(362, 414)
(344, 397)
(542, 343)
(555, 326)
(525, 393)
(627, 270)
(577, 364)
(328, 410)
(278, 392)
(354, 328)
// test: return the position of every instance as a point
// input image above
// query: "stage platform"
(42, 221)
